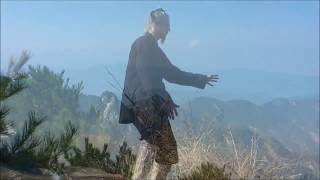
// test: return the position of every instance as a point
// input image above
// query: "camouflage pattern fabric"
(156, 130)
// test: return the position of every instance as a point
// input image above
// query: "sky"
(261, 35)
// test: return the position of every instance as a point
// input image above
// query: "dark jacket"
(147, 67)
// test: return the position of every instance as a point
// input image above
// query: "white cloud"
(193, 43)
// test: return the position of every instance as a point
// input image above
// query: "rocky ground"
(70, 173)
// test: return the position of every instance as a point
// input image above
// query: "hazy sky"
(269, 36)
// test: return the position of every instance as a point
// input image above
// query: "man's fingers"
(209, 84)
(213, 76)
(171, 115)
(167, 113)
(175, 111)
(213, 80)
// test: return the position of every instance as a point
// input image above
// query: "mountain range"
(257, 86)
(293, 122)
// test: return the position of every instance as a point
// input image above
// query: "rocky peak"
(108, 106)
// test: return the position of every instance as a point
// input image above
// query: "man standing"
(147, 104)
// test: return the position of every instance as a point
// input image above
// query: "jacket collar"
(151, 37)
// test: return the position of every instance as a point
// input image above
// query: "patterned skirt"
(157, 131)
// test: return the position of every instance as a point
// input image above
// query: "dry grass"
(196, 146)
(244, 160)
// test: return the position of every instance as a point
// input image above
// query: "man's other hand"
(165, 106)
(212, 78)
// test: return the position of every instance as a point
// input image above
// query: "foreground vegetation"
(26, 151)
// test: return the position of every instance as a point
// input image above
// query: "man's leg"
(159, 171)
(158, 136)
(166, 154)
(145, 158)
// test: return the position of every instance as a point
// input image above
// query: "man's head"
(158, 24)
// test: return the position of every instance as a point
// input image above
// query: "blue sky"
(265, 36)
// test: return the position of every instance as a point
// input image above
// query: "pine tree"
(24, 150)
(23, 144)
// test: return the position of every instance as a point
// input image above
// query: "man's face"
(163, 30)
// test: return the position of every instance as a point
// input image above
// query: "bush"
(94, 158)
(125, 161)
(207, 171)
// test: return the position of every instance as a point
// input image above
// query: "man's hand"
(166, 107)
(212, 78)
(171, 109)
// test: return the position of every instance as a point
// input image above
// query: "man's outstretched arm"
(174, 75)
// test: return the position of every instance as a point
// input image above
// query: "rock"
(70, 173)
(85, 173)
(10, 174)
(108, 107)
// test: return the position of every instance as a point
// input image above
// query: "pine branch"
(65, 139)
(45, 152)
(21, 139)
(125, 161)
(11, 86)
(4, 125)
(53, 148)
(91, 157)
(25, 56)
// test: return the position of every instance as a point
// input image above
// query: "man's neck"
(154, 36)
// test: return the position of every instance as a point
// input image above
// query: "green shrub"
(94, 158)
(91, 157)
(125, 161)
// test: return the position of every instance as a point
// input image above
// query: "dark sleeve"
(173, 74)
